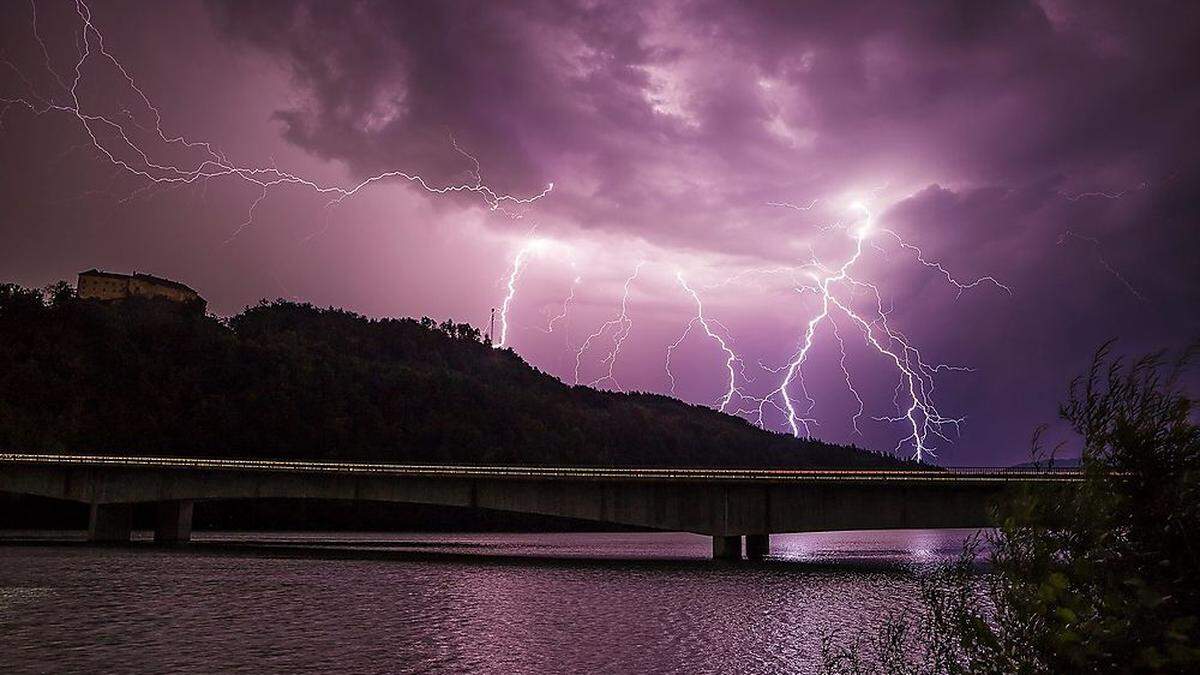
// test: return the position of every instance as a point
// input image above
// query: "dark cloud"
(1051, 144)
(511, 81)
(702, 111)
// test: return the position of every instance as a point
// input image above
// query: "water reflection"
(452, 603)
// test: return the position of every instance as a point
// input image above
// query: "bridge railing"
(1032, 470)
(548, 472)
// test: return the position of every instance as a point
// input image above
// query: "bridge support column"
(110, 523)
(174, 522)
(727, 548)
(758, 546)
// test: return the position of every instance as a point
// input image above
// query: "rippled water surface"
(613, 603)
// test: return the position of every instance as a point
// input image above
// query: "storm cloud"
(1051, 145)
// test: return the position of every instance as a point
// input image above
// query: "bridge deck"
(727, 504)
(572, 473)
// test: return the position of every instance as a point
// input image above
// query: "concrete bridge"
(730, 505)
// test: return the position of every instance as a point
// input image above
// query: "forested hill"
(284, 380)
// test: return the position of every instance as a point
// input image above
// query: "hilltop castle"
(99, 285)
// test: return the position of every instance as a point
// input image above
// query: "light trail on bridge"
(685, 474)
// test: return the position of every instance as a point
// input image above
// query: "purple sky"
(1051, 146)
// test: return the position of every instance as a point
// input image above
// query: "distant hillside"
(288, 380)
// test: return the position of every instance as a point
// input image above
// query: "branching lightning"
(837, 336)
(914, 402)
(113, 138)
(732, 360)
(834, 288)
(935, 265)
(533, 246)
(514, 274)
(620, 325)
(1095, 244)
(121, 140)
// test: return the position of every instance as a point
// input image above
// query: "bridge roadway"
(726, 504)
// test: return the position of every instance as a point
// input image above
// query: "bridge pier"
(704, 501)
(727, 548)
(173, 524)
(110, 523)
(758, 546)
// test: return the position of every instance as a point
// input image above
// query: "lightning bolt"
(533, 246)
(790, 271)
(135, 143)
(113, 138)
(514, 274)
(795, 207)
(837, 336)
(621, 325)
(732, 360)
(935, 265)
(1094, 243)
(562, 315)
(833, 286)
(1097, 253)
(1098, 194)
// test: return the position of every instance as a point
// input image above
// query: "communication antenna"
(492, 326)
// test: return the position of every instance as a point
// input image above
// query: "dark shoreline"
(21, 512)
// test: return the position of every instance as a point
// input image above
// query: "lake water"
(488, 603)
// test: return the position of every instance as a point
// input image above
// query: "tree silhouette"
(281, 379)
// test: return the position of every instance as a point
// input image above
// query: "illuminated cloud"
(1048, 146)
